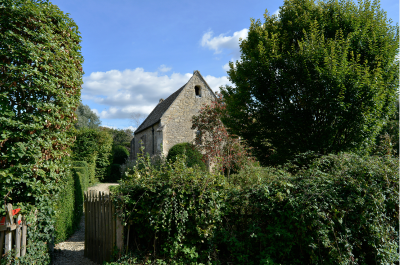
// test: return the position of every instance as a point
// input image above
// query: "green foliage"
(86, 118)
(114, 174)
(120, 136)
(321, 76)
(40, 83)
(120, 154)
(387, 142)
(193, 156)
(340, 209)
(94, 147)
(69, 203)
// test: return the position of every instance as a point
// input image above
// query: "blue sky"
(136, 52)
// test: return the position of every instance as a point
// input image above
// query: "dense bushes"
(69, 203)
(40, 83)
(341, 209)
(193, 157)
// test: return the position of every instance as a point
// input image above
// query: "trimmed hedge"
(120, 154)
(193, 156)
(340, 209)
(40, 88)
(69, 203)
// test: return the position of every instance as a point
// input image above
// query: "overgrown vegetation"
(40, 83)
(339, 209)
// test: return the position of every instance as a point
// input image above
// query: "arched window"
(197, 90)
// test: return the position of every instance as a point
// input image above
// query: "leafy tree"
(321, 76)
(40, 87)
(120, 154)
(95, 147)
(387, 142)
(86, 117)
(120, 136)
(193, 157)
(213, 140)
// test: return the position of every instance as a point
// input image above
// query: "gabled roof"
(162, 107)
(158, 111)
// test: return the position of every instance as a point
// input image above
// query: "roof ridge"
(166, 103)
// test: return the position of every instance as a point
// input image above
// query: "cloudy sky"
(137, 52)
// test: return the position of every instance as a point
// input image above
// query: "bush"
(69, 203)
(340, 209)
(41, 78)
(193, 156)
(120, 154)
(114, 173)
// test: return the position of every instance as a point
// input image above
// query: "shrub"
(40, 83)
(193, 156)
(340, 209)
(120, 154)
(69, 203)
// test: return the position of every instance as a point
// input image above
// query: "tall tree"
(321, 76)
(86, 118)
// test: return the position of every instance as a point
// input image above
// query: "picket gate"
(103, 230)
(13, 233)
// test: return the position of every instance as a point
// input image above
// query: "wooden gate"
(103, 231)
(12, 229)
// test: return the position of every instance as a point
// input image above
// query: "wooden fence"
(103, 231)
(12, 233)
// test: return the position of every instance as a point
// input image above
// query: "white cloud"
(216, 82)
(276, 13)
(222, 41)
(124, 93)
(131, 128)
(164, 68)
(108, 126)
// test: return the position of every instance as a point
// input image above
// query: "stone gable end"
(178, 117)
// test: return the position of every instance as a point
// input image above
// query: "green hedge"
(340, 209)
(69, 203)
(193, 156)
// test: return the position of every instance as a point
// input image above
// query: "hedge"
(69, 203)
(193, 156)
(40, 88)
(340, 209)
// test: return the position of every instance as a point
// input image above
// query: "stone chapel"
(170, 122)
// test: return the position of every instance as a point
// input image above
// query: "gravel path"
(71, 252)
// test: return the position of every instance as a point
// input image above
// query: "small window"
(197, 91)
(198, 138)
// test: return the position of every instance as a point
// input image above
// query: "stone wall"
(178, 118)
(148, 138)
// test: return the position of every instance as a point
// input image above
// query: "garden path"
(70, 252)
